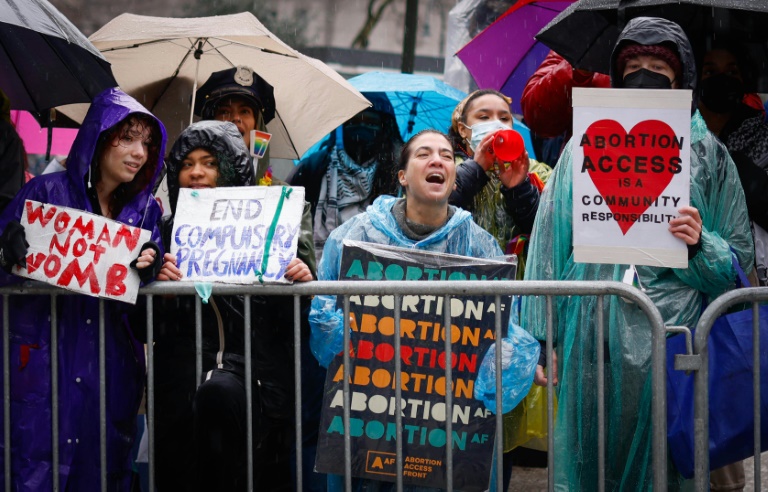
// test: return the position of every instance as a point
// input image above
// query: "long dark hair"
(133, 125)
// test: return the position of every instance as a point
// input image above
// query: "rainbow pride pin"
(259, 143)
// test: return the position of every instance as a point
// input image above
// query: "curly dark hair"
(133, 125)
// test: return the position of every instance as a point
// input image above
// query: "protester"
(503, 197)
(13, 158)
(352, 167)
(503, 202)
(201, 430)
(650, 53)
(241, 96)
(422, 220)
(743, 130)
(112, 168)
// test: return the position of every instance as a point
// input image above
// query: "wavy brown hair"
(133, 125)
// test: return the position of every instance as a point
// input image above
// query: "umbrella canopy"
(44, 60)
(586, 32)
(161, 61)
(419, 101)
(505, 54)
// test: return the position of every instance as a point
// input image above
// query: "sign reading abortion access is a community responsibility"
(373, 425)
(237, 235)
(631, 173)
(80, 251)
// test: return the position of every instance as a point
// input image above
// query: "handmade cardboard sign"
(423, 361)
(81, 251)
(237, 235)
(631, 174)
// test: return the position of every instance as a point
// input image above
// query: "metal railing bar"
(248, 390)
(499, 413)
(297, 392)
(448, 393)
(398, 398)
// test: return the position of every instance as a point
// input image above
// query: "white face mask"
(480, 130)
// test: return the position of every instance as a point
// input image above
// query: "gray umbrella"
(586, 32)
(44, 60)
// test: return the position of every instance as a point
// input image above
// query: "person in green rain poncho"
(650, 53)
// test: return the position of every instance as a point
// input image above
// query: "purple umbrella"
(505, 54)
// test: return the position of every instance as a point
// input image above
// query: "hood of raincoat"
(654, 30)
(222, 139)
(107, 110)
(380, 214)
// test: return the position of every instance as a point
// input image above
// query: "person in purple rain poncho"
(114, 163)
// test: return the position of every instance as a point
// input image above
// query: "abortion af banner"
(631, 173)
(238, 235)
(80, 251)
(422, 354)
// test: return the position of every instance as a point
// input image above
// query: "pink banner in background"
(35, 139)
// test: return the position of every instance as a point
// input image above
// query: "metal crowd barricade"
(699, 362)
(447, 289)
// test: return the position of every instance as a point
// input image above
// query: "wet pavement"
(531, 479)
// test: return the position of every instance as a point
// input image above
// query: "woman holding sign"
(422, 220)
(201, 425)
(111, 170)
(651, 53)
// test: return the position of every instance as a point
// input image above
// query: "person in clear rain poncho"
(715, 227)
(422, 220)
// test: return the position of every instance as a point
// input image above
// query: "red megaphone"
(507, 145)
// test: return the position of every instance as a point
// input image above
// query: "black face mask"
(721, 93)
(361, 133)
(646, 79)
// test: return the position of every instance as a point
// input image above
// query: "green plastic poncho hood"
(679, 295)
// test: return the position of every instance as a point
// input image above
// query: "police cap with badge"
(238, 81)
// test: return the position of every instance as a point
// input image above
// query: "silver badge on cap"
(244, 76)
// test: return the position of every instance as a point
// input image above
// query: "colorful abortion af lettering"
(422, 354)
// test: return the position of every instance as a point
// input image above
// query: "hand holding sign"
(688, 226)
(13, 246)
(80, 251)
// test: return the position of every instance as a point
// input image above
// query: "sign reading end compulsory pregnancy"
(81, 251)
(631, 174)
(237, 235)
(422, 354)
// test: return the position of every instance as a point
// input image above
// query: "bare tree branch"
(373, 17)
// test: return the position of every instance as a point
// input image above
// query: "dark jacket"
(520, 202)
(78, 324)
(223, 318)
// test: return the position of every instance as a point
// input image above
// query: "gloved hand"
(13, 246)
(149, 273)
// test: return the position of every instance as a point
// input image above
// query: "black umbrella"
(586, 32)
(45, 61)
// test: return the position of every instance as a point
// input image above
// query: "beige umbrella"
(162, 60)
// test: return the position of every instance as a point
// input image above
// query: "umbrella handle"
(198, 53)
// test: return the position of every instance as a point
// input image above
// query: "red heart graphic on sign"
(630, 170)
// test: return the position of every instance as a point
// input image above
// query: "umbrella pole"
(198, 54)
(49, 142)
